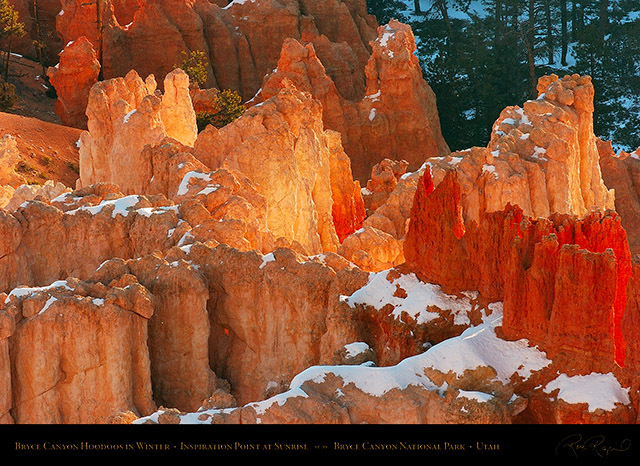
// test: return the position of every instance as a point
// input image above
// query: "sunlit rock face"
(621, 173)
(295, 164)
(542, 157)
(242, 276)
(150, 36)
(9, 158)
(73, 77)
(77, 353)
(125, 115)
(531, 265)
(397, 116)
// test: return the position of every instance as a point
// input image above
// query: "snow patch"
(126, 118)
(455, 161)
(356, 348)
(476, 347)
(379, 292)
(48, 304)
(373, 97)
(149, 211)
(599, 391)
(267, 258)
(237, 2)
(28, 291)
(524, 119)
(538, 153)
(209, 190)
(386, 36)
(262, 406)
(474, 395)
(486, 168)
(184, 184)
(121, 206)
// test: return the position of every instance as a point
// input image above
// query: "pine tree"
(7, 95)
(480, 65)
(10, 27)
(386, 10)
(195, 65)
(229, 107)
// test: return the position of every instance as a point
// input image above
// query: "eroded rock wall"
(531, 265)
(397, 118)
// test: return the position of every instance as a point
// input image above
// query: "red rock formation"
(334, 401)
(544, 301)
(554, 401)
(542, 157)
(630, 324)
(9, 159)
(258, 349)
(378, 245)
(26, 192)
(531, 265)
(372, 249)
(150, 36)
(77, 353)
(307, 162)
(125, 115)
(73, 78)
(178, 329)
(622, 174)
(114, 233)
(230, 34)
(348, 209)
(396, 119)
(224, 207)
(384, 179)
(40, 25)
(96, 223)
(125, 10)
(437, 225)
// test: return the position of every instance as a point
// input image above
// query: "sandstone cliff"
(531, 265)
(299, 167)
(73, 77)
(543, 157)
(241, 39)
(125, 115)
(241, 275)
(75, 353)
(370, 83)
(620, 173)
(396, 118)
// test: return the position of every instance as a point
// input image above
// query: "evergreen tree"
(195, 65)
(228, 106)
(386, 10)
(10, 27)
(484, 62)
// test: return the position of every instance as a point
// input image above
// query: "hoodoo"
(318, 255)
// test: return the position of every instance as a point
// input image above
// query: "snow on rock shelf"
(416, 299)
(382, 388)
(598, 391)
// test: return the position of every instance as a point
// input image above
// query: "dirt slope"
(48, 149)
